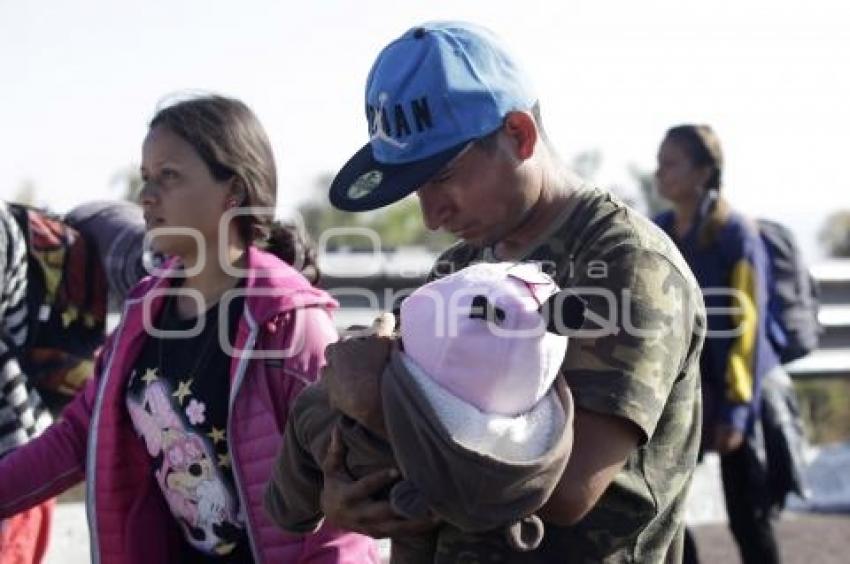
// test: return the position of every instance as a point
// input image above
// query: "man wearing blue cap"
(453, 118)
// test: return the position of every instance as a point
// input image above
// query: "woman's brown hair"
(702, 146)
(231, 141)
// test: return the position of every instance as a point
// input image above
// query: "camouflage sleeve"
(636, 338)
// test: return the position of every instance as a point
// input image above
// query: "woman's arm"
(748, 285)
(55, 460)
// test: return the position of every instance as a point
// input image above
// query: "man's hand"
(727, 439)
(353, 374)
(347, 504)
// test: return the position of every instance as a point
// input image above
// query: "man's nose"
(435, 209)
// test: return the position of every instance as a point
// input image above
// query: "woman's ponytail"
(292, 245)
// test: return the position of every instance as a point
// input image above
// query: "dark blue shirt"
(732, 271)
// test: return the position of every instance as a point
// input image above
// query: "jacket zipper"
(91, 464)
(237, 477)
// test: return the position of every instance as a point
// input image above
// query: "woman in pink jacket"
(177, 433)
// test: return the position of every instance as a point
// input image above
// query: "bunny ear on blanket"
(563, 312)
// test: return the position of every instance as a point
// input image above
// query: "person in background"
(115, 229)
(728, 258)
(55, 275)
(176, 434)
(22, 413)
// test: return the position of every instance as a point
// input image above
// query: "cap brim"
(365, 184)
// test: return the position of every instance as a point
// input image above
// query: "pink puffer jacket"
(129, 521)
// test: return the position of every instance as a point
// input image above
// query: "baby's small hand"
(384, 324)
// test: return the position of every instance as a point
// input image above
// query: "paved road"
(803, 539)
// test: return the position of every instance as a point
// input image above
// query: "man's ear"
(563, 312)
(522, 131)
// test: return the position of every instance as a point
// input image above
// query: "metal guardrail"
(832, 360)
(824, 363)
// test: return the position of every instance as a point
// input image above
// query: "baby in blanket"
(478, 423)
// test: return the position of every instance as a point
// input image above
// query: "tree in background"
(653, 203)
(587, 165)
(835, 234)
(399, 225)
(127, 181)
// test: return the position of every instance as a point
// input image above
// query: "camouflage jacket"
(636, 357)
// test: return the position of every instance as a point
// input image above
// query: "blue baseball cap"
(429, 93)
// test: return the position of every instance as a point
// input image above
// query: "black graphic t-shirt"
(177, 397)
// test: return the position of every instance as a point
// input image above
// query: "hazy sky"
(80, 79)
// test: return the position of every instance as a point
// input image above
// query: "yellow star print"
(183, 391)
(150, 376)
(224, 460)
(216, 435)
(225, 549)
